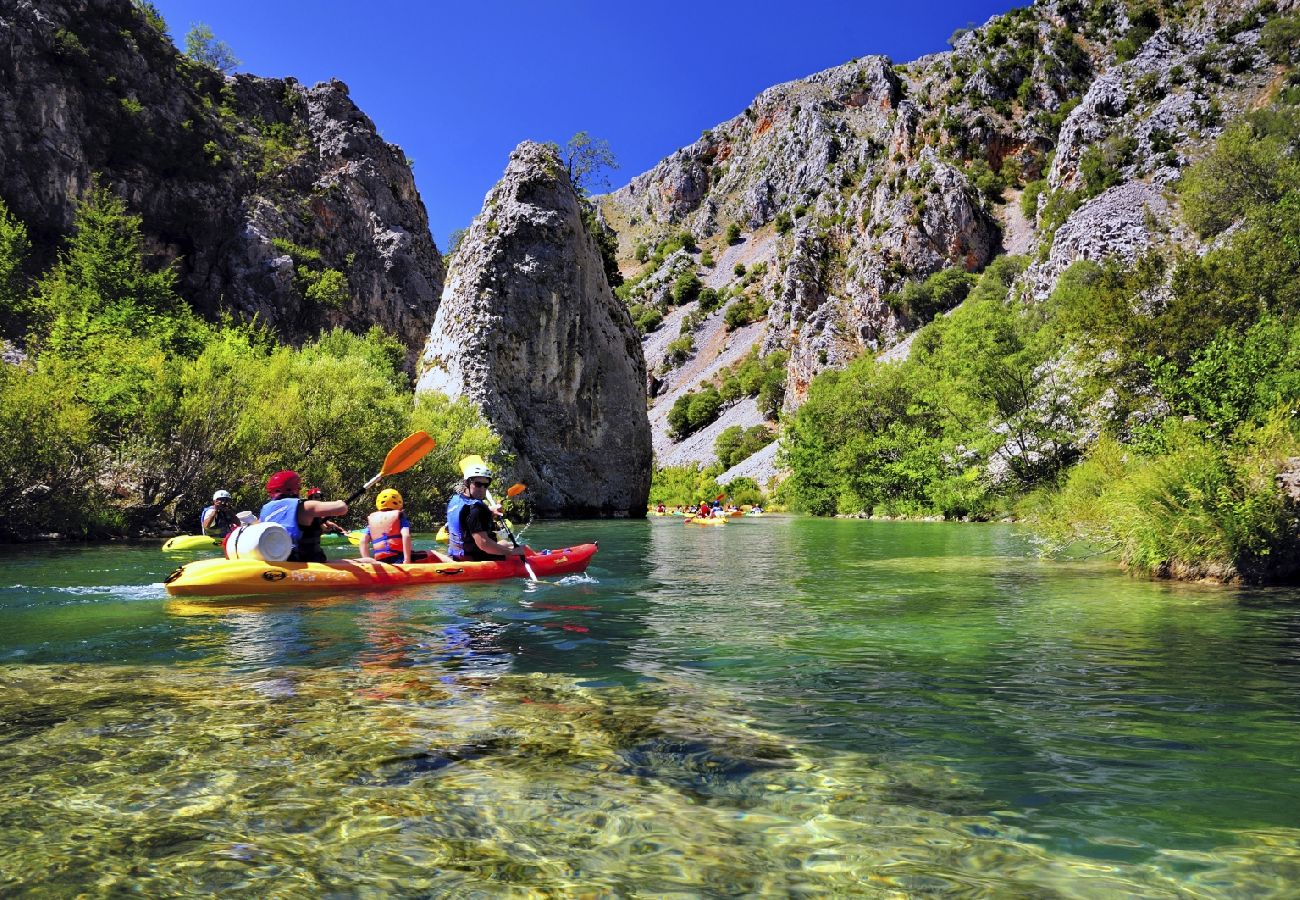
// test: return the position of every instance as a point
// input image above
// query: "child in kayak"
(388, 533)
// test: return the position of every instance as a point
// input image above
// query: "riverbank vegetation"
(1143, 408)
(128, 410)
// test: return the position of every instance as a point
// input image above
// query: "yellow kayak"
(696, 520)
(232, 577)
(191, 542)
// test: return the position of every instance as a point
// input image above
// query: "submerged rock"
(529, 329)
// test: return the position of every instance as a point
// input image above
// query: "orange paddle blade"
(409, 452)
(516, 489)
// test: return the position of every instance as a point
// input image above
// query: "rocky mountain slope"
(812, 211)
(529, 329)
(271, 199)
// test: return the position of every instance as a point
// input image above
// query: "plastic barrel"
(265, 541)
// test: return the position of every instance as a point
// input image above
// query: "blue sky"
(458, 86)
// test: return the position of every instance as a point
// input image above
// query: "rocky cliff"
(814, 209)
(529, 329)
(271, 199)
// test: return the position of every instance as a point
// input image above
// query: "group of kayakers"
(471, 521)
(706, 509)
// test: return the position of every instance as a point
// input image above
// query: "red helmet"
(283, 482)
(314, 493)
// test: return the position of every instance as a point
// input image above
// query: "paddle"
(513, 491)
(407, 453)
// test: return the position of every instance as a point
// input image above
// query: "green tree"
(202, 46)
(14, 249)
(589, 160)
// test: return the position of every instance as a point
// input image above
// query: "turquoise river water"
(778, 707)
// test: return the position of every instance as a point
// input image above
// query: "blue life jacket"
(285, 512)
(456, 540)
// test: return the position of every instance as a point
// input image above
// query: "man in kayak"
(388, 533)
(471, 523)
(704, 510)
(294, 514)
(219, 518)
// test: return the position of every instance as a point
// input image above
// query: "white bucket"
(265, 541)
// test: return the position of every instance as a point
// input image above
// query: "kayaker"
(704, 511)
(309, 548)
(661, 509)
(219, 518)
(294, 514)
(471, 523)
(388, 532)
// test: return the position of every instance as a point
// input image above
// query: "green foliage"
(1199, 509)
(1030, 197)
(685, 288)
(14, 250)
(938, 293)
(1252, 165)
(1280, 39)
(744, 310)
(588, 161)
(202, 46)
(680, 350)
(151, 15)
(1102, 164)
(606, 242)
(684, 485)
(736, 444)
(326, 287)
(783, 222)
(692, 411)
(744, 492)
(646, 317)
(706, 258)
(732, 234)
(134, 411)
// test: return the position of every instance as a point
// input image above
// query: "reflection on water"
(776, 707)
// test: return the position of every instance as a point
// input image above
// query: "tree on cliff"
(202, 46)
(588, 160)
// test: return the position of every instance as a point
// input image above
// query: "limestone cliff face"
(250, 187)
(529, 329)
(849, 184)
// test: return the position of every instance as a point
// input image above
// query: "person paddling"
(309, 547)
(220, 517)
(285, 508)
(471, 525)
(388, 532)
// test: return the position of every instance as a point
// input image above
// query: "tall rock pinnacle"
(529, 329)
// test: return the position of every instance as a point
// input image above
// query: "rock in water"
(529, 329)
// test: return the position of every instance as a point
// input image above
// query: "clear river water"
(778, 707)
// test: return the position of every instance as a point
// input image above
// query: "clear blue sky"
(459, 85)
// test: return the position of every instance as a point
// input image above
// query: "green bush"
(692, 411)
(736, 444)
(732, 234)
(685, 288)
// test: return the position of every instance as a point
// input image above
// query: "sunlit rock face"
(248, 188)
(529, 329)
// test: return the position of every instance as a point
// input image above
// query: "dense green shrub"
(736, 444)
(692, 411)
(685, 288)
(684, 485)
(732, 234)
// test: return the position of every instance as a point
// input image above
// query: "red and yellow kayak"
(229, 577)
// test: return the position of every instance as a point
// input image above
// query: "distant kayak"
(232, 577)
(696, 520)
(206, 542)
(191, 542)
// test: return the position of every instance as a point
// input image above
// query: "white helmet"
(220, 495)
(478, 471)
